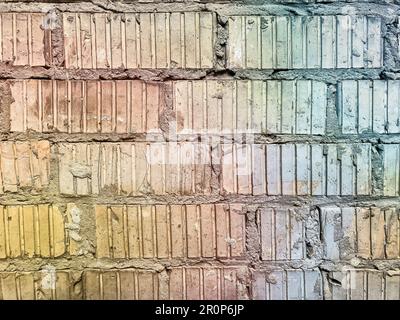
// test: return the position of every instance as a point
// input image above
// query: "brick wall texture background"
(200, 149)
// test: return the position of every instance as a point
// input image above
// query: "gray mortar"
(220, 43)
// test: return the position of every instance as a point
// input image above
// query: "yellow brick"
(102, 236)
(164, 232)
(14, 231)
(44, 230)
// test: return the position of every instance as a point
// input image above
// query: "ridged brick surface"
(296, 169)
(278, 107)
(80, 106)
(24, 41)
(135, 168)
(145, 40)
(31, 231)
(304, 42)
(24, 165)
(175, 231)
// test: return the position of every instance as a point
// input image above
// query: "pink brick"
(134, 168)
(23, 37)
(80, 106)
(211, 283)
(298, 169)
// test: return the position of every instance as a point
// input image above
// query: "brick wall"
(199, 149)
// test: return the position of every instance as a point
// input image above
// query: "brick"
(24, 166)
(369, 106)
(369, 233)
(173, 231)
(282, 234)
(391, 163)
(139, 40)
(206, 283)
(244, 106)
(80, 106)
(362, 285)
(134, 168)
(34, 231)
(47, 284)
(189, 283)
(287, 285)
(23, 38)
(275, 169)
(304, 42)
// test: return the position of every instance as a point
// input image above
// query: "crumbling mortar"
(329, 76)
(270, 201)
(169, 135)
(222, 38)
(56, 58)
(377, 169)
(253, 244)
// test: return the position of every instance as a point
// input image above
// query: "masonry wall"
(199, 150)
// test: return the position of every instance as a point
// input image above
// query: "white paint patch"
(49, 277)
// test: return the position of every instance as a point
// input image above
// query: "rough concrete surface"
(199, 149)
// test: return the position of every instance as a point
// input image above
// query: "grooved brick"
(227, 106)
(208, 283)
(359, 284)
(134, 168)
(141, 40)
(288, 284)
(24, 165)
(296, 169)
(41, 285)
(304, 42)
(188, 283)
(391, 169)
(369, 233)
(114, 284)
(282, 233)
(369, 106)
(31, 231)
(23, 37)
(86, 106)
(174, 231)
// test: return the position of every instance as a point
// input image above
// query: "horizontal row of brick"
(186, 168)
(181, 283)
(186, 40)
(194, 283)
(203, 106)
(199, 231)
